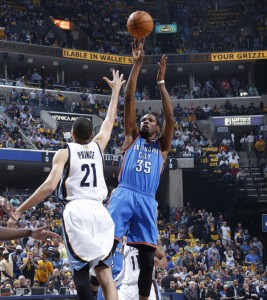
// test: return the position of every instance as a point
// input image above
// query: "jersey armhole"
(100, 151)
(124, 150)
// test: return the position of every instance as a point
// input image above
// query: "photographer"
(28, 266)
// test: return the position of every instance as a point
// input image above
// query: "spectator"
(191, 292)
(252, 259)
(6, 267)
(44, 271)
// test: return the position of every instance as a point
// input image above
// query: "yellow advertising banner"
(235, 56)
(95, 56)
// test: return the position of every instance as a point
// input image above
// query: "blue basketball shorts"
(135, 215)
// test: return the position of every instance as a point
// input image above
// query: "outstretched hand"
(162, 68)
(13, 218)
(11, 211)
(117, 81)
(42, 234)
(6, 205)
(138, 49)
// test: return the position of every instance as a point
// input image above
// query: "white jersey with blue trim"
(131, 265)
(83, 175)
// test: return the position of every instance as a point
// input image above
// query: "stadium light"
(10, 167)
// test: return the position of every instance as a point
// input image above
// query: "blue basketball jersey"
(142, 165)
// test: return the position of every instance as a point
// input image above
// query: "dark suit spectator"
(213, 292)
(172, 288)
(260, 290)
(191, 292)
(247, 292)
(201, 292)
(167, 279)
(233, 290)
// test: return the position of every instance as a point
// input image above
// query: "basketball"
(140, 24)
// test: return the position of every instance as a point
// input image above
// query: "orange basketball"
(140, 24)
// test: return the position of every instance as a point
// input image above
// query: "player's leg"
(81, 280)
(143, 235)
(128, 292)
(95, 287)
(121, 198)
(104, 276)
(146, 259)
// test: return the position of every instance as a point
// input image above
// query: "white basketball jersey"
(83, 176)
(131, 265)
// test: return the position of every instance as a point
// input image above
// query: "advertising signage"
(62, 24)
(236, 56)
(68, 117)
(238, 121)
(166, 28)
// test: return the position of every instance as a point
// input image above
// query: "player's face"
(148, 126)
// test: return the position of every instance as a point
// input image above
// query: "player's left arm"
(168, 123)
(45, 189)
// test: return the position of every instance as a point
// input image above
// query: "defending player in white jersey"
(128, 277)
(88, 227)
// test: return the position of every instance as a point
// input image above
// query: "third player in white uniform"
(128, 278)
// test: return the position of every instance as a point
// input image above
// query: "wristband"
(161, 81)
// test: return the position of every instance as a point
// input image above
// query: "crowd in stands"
(188, 141)
(27, 263)
(208, 257)
(202, 250)
(23, 22)
(216, 26)
(104, 23)
(204, 88)
(219, 88)
(203, 26)
(17, 120)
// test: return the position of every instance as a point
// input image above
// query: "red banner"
(62, 24)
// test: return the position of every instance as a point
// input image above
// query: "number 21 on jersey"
(87, 169)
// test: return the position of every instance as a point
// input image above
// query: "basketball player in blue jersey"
(87, 225)
(133, 206)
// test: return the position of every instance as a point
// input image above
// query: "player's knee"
(94, 282)
(146, 269)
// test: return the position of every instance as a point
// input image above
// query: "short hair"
(82, 128)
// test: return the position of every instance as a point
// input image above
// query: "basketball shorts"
(88, 233)
(130, 292)
(135, 215)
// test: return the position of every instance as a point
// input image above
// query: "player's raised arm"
(168, 123)
(103, 136)
(131, 129)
